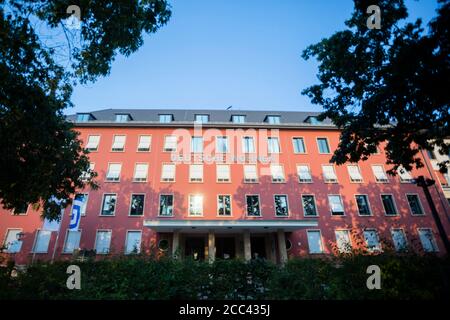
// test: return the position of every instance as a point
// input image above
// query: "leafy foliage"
(43, 162)
(139, 277)
(386, 85)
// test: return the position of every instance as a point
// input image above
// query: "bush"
(138, 277)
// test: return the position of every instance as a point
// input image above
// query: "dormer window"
(84, 117)
(238, 118)
(273, 119)
(123, 117)
(313, 120)
(165, 118)
(201, 118)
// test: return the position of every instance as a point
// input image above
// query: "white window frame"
(189, 205)
(393, 201)
(36, 239)
(113, 179)
(113, 149)
(384, 172)
(420, 204)
(194, 146)
(322, 249)
(304, 145)
(64, 251)
(196, 180)
(318, 145)
(135, 179)
(101, 205)
(350, 241)
(259, 205)
(85, 203)
(275, 205)
(131, 202)
(315, 204)
(126, 252)
(174, 172)
(223, 180)
(20, 230)
(309, 171)
(231, 205)
(368, 204)
(159, 204)
(406, 176)
(433, 239)
(282, 179)
(271, 144)
(330, 206)
(227, 146)
(109, 244)
(164, 116)
(96, 146)
(402, 231)
(149, 144)
(335, 180)
(84, 175)
(165, 146)
(253, 147)
(256, 172)
(352, 179)
(377, 248)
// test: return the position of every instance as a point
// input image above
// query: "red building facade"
(229, 184)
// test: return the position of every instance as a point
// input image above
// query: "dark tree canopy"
(42, 160)
(386, 85)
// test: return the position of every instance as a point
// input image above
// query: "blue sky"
(217, 53)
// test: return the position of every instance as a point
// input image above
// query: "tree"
(43, 162)
(386, 85)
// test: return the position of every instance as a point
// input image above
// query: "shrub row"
(402, 277)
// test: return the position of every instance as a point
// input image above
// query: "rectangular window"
(427, 239)
(197, 145)
(380, 174)
(170, 143)
(196, 173)
(42, 241)
(405, 176)
(299, 145)
(223, 173)
(165, 118)
(399, 240)
(12, 243)
(273, 119)
(195, 205)
(201, 118)
(83, 117)
(133, 242)
(354, 173)
(93, 142)
(140, 172)
(248, 145)
(336, 206)
(309, 206)
(388, 205)
(72, 241)
(86, 174)
(166, 205)
(224, 205)
(281, 206)
(253, 209)
(168, 172)
(314, 241)
(114, 172)
(83, 197)
(329, 175)
(414, 204)
(108, 205)
(372, 240)
(221, 144)
(273, 145)
(118, 143)
(122, 117)
(238, 119)
(144, 143)
(137, 205)
(250, 173)
(103, 241)
(343, 242)
(362, 202)
(304, 174)
(277, 173)
(323, 146)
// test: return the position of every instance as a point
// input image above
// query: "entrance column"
(211, 246)
(282, 246)
(175, 244)
(247, 246)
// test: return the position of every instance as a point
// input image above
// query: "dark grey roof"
(187, 116)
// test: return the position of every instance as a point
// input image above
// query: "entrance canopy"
(228, 225)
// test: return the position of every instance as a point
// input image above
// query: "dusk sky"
(213, 54)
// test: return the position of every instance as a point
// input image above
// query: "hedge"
(138, 277)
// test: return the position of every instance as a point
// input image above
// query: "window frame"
(131, 202)
(309, 170)
(384, 171)
(328, 145)
(404, 237)
(350, 240)
(269, 145)
(419, 202)
(217, 173)
(126, 241)
(134, 172)
(433, 240)
(359, 171)
(190, 173)
(231, 205)
(107, 172)
(394, 203)
(273, 180)
(256, 170)
(189, 205)
(287, 206)
(342, 204)
(110, 240)
(378, 248)
(165, 142)
(332, 181)
(87, 200)
(139, 141)
(170, 115)
(174, 172)
(368, 205)
(315, 205)
(6, 238)
(159, 204)
(304, 144)
(243, 144)
(226, 144)
(321, 241)
(113, 141)
(63, 251)
(259, 206)
(102, 203)
(98, 143)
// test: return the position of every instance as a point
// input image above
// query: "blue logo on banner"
(75, 217)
